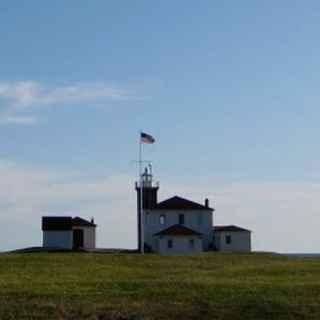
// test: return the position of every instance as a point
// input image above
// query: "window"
(191, 243)
(181, 218)
(170, 244)
(162, 219)
(228, 239)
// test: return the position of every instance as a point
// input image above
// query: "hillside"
(128, 286)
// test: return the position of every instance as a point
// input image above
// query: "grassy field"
(128, 286)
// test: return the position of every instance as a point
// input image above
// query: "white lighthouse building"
(181, 226)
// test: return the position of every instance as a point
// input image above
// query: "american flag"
(147, 138)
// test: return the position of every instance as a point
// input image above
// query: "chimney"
(92, 220)
(206, 203)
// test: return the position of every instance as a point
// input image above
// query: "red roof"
(230, 228)
(178, 230)
(178, 203)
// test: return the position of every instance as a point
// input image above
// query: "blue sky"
(228, 89)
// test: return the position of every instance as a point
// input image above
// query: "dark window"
(181, 218)
(162, 219)
(228, 239)
(191, 243)
(170, 244)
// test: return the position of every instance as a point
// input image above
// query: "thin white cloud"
(17, 98)
(82, 93)
(22, 93)
(28, 120)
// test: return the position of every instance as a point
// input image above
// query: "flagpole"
(141, 240)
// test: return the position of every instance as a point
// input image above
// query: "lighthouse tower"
(149, 197)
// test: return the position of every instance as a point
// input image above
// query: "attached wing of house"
(178, 225)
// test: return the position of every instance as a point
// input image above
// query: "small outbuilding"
(232, 238)
(177, 240)
(68, 233)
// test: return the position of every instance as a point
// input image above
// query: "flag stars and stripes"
(147, 138)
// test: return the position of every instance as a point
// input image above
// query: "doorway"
(77, 239)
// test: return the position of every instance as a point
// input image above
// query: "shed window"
(162, 219)
(181, 218)
(191, 243)
(228, 239)
(170, 243)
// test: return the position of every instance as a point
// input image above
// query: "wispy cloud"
(22, 93)
(17, 98)
(28, 120)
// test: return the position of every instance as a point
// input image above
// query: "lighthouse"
(149, 198)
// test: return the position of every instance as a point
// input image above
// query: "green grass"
(124, 286)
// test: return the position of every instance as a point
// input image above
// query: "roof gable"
(178, 203)
(178, 230)
(79, 222)
(230, 228)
